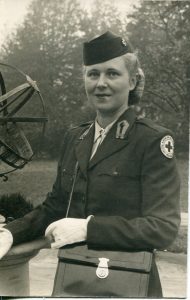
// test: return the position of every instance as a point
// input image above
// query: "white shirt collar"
(104, 131)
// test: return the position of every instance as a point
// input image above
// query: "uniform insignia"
(121, 129)
(167, 146)
(124, 42)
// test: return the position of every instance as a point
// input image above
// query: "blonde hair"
(133, 67)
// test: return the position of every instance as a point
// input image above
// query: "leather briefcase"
(83, 272)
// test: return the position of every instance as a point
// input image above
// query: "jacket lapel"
(84, 146)
(112, 143)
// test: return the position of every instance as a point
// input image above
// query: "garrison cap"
(105, 47)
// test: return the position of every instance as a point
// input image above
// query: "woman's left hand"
(67, 231)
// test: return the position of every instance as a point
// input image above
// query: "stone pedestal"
(14, 268)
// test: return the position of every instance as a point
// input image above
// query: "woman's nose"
(102, 83)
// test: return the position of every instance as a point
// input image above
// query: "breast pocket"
(128, 169)
(120, 185)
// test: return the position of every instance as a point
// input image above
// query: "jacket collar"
(116, 139)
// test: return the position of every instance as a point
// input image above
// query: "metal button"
(115, 173)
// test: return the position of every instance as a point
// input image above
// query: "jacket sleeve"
(33, 224)
(157, 226)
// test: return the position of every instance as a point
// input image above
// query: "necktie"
(97, 142)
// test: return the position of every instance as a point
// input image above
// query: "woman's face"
(108, 84)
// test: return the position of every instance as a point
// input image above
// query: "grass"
(180, 243)
(183, 167)
(36, 180)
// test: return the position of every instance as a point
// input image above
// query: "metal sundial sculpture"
(15, 149)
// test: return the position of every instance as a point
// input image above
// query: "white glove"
(67, 231)
(6, 241)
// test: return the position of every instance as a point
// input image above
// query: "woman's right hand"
(6, 241)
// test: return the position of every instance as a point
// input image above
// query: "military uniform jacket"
(130, 186)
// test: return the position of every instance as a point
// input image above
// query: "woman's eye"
(113, 74)
(93, 74)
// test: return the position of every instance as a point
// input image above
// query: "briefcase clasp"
(102, 269)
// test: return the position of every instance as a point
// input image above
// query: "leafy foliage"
(48, 46)
(14, 206)
(160, 31)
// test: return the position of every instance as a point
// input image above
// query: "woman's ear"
(132, 82)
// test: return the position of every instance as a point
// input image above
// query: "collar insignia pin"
(121, 129)
(124, 42)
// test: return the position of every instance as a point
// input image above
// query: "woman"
(126, 191)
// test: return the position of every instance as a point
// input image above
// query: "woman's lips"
(102, 95)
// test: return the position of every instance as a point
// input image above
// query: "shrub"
(14, 206)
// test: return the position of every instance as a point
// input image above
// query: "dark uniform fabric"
(130, 187)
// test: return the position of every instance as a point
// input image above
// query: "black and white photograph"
(94, 149)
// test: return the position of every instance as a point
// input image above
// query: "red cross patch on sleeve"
(167, 146)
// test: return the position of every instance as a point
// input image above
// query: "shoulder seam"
(81, 125)
(154, 126)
